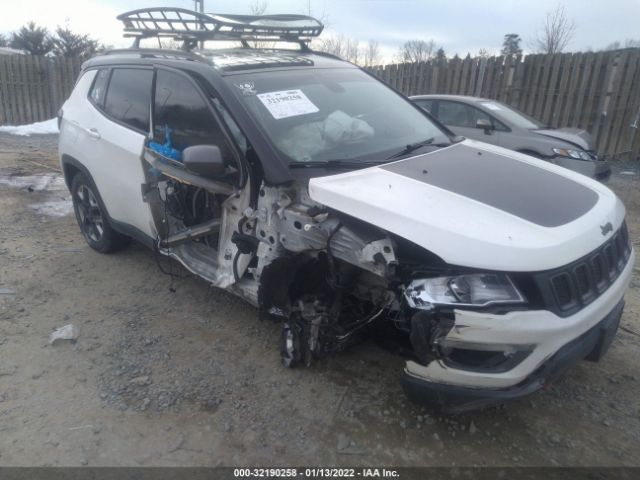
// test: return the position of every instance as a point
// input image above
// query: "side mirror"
(484, 124)
(205, 160)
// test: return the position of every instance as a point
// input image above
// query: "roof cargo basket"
(192, 27)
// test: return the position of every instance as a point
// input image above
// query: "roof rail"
(158, 52)
(192, 27)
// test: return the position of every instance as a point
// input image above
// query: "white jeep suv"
(333, 204)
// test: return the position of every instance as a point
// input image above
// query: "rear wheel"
(92, 218)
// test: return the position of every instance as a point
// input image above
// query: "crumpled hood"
(576, 136)
(481, 206)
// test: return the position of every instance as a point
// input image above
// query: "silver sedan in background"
(494, 122)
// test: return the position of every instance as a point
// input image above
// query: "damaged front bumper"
(536, 347)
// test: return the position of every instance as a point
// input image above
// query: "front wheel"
(92, 218)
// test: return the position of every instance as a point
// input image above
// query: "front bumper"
(591, 345)
(597, 169)
(554, 343)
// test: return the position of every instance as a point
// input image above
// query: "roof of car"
(222, 60)
(461, 98)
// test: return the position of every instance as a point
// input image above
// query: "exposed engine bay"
(324, 275)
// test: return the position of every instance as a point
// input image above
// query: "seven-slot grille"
(568, 289)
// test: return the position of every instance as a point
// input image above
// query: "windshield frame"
(283, 159)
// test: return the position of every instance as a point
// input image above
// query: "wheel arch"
(71, 167)
(282, 279)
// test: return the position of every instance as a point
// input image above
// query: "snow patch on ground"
(53, 208)
(55, 201)
(38, 128)
(37, 182)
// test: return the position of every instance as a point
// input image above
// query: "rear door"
(114, 135)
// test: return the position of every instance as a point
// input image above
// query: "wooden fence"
(33, 88)
(598, 92)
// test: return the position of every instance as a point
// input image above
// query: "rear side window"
(99, 88)
(460, 115)
(426, 104)
(181, 108)
(128, 97)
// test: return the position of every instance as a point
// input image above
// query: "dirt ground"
(185, 374)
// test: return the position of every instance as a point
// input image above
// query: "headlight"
(477, 289)
(568, 152)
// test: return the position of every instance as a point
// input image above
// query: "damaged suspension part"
(301, 334)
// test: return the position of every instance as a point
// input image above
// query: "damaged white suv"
(332, 203)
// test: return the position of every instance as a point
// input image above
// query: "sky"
(459, 26)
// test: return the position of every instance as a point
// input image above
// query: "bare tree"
(335, 45)
(628, 43)
(371, 54)
(353, 50)
(341, 46)
(169, 43)
(486, 53)
(557, 31)
(417, 51)
(258, 7)
(323, 17)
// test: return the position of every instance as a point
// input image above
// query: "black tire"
(92, 218)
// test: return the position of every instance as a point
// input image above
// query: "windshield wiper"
(411, 148)
(335, 164)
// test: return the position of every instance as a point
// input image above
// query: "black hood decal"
(526, 191)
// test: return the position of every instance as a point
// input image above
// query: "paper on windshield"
(491, 105)
(287, 103)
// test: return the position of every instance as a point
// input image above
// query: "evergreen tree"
(511, 44)
(69, 44)
(32, 39)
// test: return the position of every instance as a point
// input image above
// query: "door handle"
(93, 133)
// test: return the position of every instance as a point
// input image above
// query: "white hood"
(480, 206)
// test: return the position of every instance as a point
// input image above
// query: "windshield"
(319, 115)
(512, 116)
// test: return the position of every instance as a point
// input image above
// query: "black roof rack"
(192, 27)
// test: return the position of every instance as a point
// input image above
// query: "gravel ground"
(183, 374)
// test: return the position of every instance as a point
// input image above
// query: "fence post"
(483, 67)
